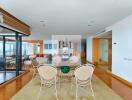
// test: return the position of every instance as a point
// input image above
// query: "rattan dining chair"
(27, 64)
(56, 61)
(74, 61)
(35, 66)
(83, 77)
(40, 60)
(48, 75)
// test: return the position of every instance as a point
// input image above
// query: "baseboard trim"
(120, 79)
(89, 62)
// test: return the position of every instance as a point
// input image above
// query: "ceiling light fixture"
(42, 21)
(92, 21)
(89, 25)
(43, 25)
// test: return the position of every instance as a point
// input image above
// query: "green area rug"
(101, 90)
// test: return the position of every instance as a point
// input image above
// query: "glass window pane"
(50, 46)
(55, 46)
(46, 46)
(1, 50)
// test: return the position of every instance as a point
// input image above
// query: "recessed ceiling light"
(43, 25)
(41, 21)
(89, 25)
(92, 21)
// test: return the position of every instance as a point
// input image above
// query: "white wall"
(89, 49)
(122, 50)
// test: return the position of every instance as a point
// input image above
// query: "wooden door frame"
(110, 54)
(96, 52)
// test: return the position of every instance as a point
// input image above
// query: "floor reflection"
(7, 75)
(119, 87)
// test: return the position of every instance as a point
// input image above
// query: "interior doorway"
(102, 50)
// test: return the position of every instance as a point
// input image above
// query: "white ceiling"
(105, 35)
(84, 17)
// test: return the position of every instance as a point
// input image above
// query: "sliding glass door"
(103, 44)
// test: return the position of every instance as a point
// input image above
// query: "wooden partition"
(13, 22)
(110, 54)
(95, 50)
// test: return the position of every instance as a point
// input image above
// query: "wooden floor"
(120, 88)
(10, 89)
